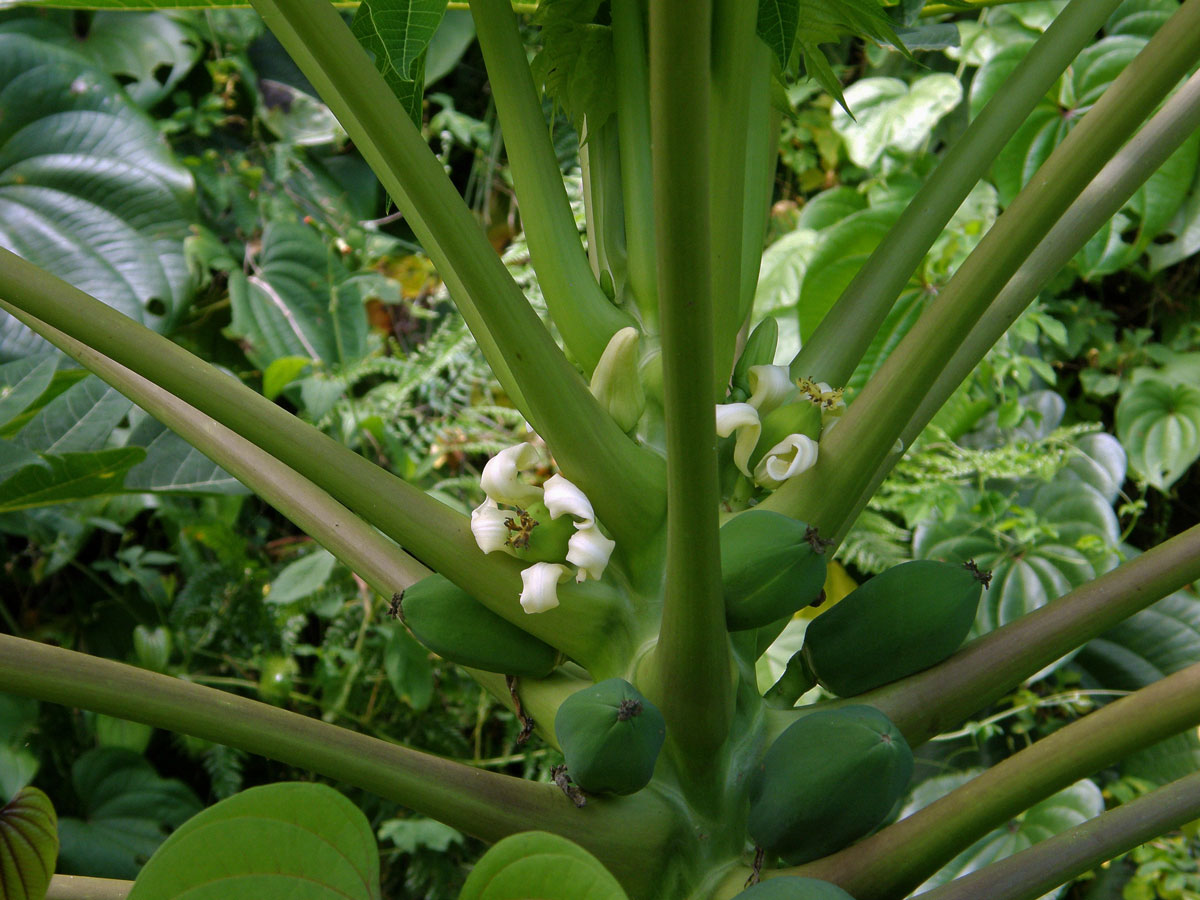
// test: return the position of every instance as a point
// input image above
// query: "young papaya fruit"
(456, 626)
(829, 779)
(792, 887)
(771, 566)
(903, 620)
(610, 735)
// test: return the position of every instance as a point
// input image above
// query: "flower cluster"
(771, 389)
(533, 526)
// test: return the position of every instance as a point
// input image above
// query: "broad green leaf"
(128, 811)
(1148, 646)
(18, 765)
(448, 44)
(80, 419)
(22, 381)
(782, 271)
(17, 768)
(893, 117)
(1069, 807)
(1101, 462)
(294, 841)
(575, 69)
(62, 381)
(68, 477)
(537, 864)
(1140, 17)
(1159, 425)
(298, 302)
(830, 207)
(88, 188)
(28, 846)
(113, 732)
(301, 578)
(282, 372)
(777, 21)
(1064, 537)
(397, 33)
(408, 669)
(172, 464)
(1184, 229)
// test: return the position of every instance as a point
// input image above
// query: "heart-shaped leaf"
(1159, 425)
(89, 189)
(28, 846)
(537, 865)
(300, 841)
(128, 811)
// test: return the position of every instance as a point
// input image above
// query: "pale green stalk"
(734, 58)
(380, 563)
(846, 331)
(428, 529)
(637, 179)
(852, 452)
(600, 162)
(690, 678)
(762, 152)
(80, 887)
(1099, 202)
(627, 834)
(1041, 868)
(584, 315)
(895, 860)
(623, 481)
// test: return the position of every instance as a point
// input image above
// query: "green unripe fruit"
(457, 627)
(903, 620)
(771, 566)
(152, 647)
(828, 780)
(790, 887)
(276, 677)
(759, 351)
(800, 417)
(610, 735)
(538, 538)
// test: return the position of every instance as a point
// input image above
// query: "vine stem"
(690, 673)
(1039, 869)
(625, 833)
(868, 431)
(846, 331)
(890, 863)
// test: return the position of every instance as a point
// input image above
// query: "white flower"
(501, 479)
(590, 550)
(541, 586)
(742, 418)
(487, 524)
(791, 456)
(769, 387)
(561, 496)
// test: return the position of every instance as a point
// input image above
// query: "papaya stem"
(623, 833)
(691, 668)
(895, 860)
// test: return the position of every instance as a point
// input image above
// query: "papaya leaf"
(1159, 425)
(397, 33)
(88, 188)
(1154, 643)
(1069, 807)
(542, 865)
(67, 477)
(28, 845)
(128, 811)
(301, 841)
(777, 22)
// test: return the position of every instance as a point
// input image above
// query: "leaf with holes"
(1159, 425)
(28, 845)
(89, 189)
(301, 841)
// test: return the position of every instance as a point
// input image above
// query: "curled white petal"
(561, 496)
(487, 524)
(590, 550)
(770, 386)
(541, 586)
(742, 418)
(500, 479)
(791, 456)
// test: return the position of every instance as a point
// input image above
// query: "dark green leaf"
(409, 670)
(397, 33)
(543, 865)
(301, 841)
(28, 846)
(777, 21)
(301, 578)
(80, 419)
(172, 464)
(23, 381)
(1159, 425)
(69, 477)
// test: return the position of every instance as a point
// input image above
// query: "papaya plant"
(682, 487)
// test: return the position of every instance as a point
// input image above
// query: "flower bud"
(615, 381)
(742, 418)
(791, 456)
(589, 550)
(501, 479)
(541, 586)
